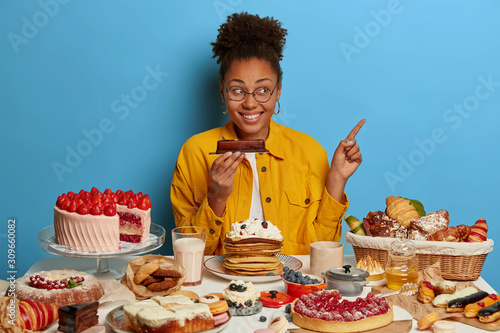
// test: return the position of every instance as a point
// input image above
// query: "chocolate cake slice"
(78, 317)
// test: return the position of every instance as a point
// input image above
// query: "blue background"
(67, 68)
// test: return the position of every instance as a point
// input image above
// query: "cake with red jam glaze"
(326, 311)
(97, 222)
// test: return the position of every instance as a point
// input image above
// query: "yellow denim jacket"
(292, 185)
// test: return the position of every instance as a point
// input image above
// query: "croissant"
(478, 231)
(463, 231)
(449, 234)
(401, 210)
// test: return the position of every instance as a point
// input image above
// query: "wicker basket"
(458, 261)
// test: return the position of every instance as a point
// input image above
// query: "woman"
(293, 185)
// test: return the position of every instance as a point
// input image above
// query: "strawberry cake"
(326, 311)
(97, 222)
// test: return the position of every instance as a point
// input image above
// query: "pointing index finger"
(356, 129)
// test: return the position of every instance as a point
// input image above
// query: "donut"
(218, 307)
(426, 321)
(207, 299)
(279, 324)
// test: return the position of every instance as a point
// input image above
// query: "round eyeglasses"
(261, 94)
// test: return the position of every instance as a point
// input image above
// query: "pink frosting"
(141, 224)
(87, 233)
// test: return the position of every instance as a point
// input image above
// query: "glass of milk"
(189, 247)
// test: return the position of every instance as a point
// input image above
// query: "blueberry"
(229, 303)
(289, 318)
(288, 308)
(243, 226)
(270, 273)
(264, 224)
(249, 303)
(241, 288)
(286, 269)
(233, 287)
(262, 318)
(298, 273)
(315, 281)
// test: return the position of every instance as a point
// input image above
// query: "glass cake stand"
(47, 240)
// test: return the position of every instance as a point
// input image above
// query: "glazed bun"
(245, 36)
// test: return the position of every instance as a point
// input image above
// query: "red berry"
(59, 201)
(83, 209)
(108, 191)
(82, 192)
(73, 207)
(132, 203)
(94, 190)
(110, 210)
(143, 204)
(71, 194)
(122, 200)
(96, 210)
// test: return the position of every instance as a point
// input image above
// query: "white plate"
(116, 320)
(214, 265)
(375, 283)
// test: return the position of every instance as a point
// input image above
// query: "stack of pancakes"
(252, 256)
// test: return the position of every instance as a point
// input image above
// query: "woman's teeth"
(251, 116)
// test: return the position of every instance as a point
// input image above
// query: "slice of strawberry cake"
(96, 222)
(134, 211)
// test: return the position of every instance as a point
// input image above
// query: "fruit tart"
(326, 311)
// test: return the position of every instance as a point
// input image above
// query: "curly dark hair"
(245, 36)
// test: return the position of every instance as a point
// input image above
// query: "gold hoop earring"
(276, 113)
(222, 107)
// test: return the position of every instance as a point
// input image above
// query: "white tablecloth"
(213, 283)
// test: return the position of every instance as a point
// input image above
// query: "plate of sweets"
(252, 248)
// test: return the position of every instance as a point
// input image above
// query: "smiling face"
(251, 118)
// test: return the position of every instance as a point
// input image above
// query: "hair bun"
(244, 31)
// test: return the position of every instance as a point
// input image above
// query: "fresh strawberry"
(71, 194)
(132, 203)
(82, 192)
(83, 209)
(107, 201)
(108, 191)
(59, 201)
(122, 200)
(143, 204)
(96, 210)
(65, 204)
(110, 210)
(73, 207)
(94, 190)
(150, 204)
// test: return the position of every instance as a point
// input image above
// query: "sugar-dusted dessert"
(96, 222)
(78, 317)
(181, 315)
(326, 311)
(241, 298)
(246, 146)
(60, 287)
(251, 246)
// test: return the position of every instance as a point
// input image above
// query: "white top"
(256, 211)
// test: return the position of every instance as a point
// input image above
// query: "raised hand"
(221, 176)
(345, 161)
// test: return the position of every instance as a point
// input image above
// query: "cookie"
(144, 271)
(160, 286)
(426, 321)
(151, 279)
(218, 307)
(188, 293)
(160, 272)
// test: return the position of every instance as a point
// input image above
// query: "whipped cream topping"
(255, 228)
(243, 296)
